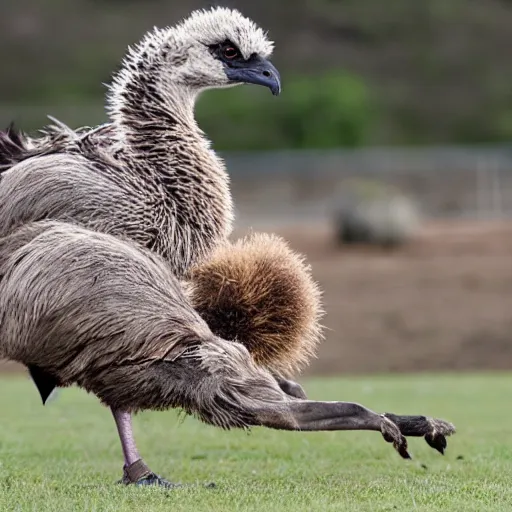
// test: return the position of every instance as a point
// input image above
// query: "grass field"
(65, 457)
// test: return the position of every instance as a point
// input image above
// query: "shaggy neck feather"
(149, 107)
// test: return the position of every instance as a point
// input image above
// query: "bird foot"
(158, 481)
(139, 474)
(433, 430)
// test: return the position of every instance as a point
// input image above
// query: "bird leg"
(219, 383)
(135, 470)
(309, 415)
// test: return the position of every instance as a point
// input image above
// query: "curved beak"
(255, 70)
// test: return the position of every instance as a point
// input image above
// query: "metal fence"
(445, 182)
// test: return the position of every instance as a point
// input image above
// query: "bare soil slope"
(442, 303)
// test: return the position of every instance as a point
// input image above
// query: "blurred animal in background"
(86, 308)
(376, 214)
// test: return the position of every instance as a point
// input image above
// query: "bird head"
(210, 49)
(170, 67)
(224, 48)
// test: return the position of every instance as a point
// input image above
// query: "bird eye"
(230, 52)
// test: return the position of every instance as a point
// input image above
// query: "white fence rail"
(446, 182)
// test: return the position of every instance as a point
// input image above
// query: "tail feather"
(260, 293)
(13, 147)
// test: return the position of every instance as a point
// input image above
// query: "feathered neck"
(145, 100)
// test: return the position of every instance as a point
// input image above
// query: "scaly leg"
(309, 415)
(135, 470)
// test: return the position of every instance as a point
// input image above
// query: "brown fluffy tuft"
(260, 293)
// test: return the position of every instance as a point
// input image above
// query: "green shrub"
(325, 111)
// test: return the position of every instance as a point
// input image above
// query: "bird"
(93, 310)
(150, 173)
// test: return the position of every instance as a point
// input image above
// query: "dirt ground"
(442, 303)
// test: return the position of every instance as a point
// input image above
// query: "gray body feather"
(180, 210)
(95, 311)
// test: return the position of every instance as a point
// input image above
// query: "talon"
(435, 443)
(436, 438)
(438, 442)
(391, 434)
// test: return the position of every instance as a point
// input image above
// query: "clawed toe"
(436, 438)
(157, 481)
(438, 442)
(391, 433)
(433, 430)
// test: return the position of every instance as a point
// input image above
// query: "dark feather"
(12, 147)
(44, 381)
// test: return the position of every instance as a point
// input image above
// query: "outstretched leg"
(307, 415)
(135, 470)
(221, 384)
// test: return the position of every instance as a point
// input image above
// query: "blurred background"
(387, 159)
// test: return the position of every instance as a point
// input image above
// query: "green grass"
(65, 457)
